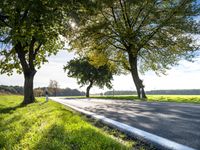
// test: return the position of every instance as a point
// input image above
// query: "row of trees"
(126, 35)
(175, 92)
(4, 89)
(120, 92)
(60, 92)
(157, 92)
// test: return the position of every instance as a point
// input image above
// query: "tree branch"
(3, 18)
(37, 50)
(113, 15)
(31, 53)
(21, 55)
(144, 18)
(138, 15)
(149, 37)
(117, 47)
(123, 13)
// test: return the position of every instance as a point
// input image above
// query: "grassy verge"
(158, 98)
(175, 98)
(49, 126)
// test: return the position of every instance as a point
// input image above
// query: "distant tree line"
(4, 89)
(175, 92)
(59, 92)
(157, 92)
(120, 93)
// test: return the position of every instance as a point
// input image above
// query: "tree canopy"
(29, 33)
(141, 35)
(31, 26)
(87, 74)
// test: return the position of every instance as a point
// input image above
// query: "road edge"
(158, 141)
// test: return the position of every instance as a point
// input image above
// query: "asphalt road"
(176, 122)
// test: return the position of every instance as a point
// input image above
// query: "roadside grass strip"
(49, 126)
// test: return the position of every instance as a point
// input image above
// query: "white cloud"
(184, 76)
(12, 80)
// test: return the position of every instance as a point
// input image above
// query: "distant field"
(175, 98)
(49, 126)
(158, 98)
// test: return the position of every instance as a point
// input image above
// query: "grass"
(158, 98)
(50, 126)
(175, 98)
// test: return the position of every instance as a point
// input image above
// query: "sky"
(184, 76)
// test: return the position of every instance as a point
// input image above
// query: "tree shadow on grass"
(10, 109)
(42, 103)
(59, 138)
(6, 138)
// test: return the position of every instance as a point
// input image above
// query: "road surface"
(176, 122)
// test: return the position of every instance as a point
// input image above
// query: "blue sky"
(184, 76)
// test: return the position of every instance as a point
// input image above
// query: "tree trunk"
(134, 72)
(88, 89)
(28, 67)
(55, 93)
(28, 87)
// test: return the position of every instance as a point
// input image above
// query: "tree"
(29, 32)
(38, 92)
(53, 85)
(149, 34)
(87, 74)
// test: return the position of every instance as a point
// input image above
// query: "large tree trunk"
(88, 89)
(28, 67)
(28, 87)
(134, 72)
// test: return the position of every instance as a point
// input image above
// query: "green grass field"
(50, 126)
(158, 98)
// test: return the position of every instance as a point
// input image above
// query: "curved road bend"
(176, 122)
